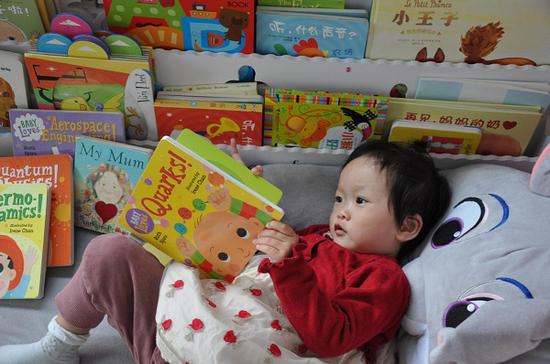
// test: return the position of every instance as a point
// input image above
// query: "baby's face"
(361, 219)
(108, 189)
(6, 274)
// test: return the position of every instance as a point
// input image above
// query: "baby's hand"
(276, 240)
(258, 170)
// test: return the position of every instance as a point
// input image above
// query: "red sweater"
(336, 299)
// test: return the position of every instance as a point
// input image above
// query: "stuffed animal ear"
(540, 176)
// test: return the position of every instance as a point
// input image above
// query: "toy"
(480, 288)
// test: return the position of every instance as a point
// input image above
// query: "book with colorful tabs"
(195, 211)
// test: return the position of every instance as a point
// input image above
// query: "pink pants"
(116, 278)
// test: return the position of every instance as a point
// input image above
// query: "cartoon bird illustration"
(309, 48)
(81, 104)
(113, 104)
(359, 122)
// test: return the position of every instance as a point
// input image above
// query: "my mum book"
(24, 215)
(105, 175)
(56, 170)
(195, 212)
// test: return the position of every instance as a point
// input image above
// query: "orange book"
(57, 172)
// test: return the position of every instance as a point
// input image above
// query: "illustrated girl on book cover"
(106, 192)
(15, 268)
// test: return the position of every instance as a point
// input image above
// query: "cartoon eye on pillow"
(470, 217)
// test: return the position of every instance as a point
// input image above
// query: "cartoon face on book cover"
(194, 214)
(56, 170)
(105, 175)
(19, 20)
(13, 91)
(23, 218)
(71, 83)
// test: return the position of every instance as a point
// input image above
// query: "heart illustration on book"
(509, 124)
(106, 211)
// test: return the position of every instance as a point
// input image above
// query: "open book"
(196, 212)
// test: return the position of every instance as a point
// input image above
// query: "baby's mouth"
(339, 230)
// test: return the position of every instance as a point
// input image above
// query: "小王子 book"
(56, 170)
(195, 212)
(24, 221)
(105, 175)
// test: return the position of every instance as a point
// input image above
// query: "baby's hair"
(121, 175)
(414, 184)
(9, 247)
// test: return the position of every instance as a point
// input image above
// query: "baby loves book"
(13, 88)
(38, 132)
(24, 215)
(56, 170)
(195, 212)
(105, 175)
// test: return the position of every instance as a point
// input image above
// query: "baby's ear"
(410, 228)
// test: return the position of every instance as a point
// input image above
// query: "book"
(482, 90)
(311, 32)
(439, 138)
(195, 212)
(105, 175)
(20, 20)
(57, 172)
(13, 88)
(217, 118)
(24, 221)
(39, 132)
(235, 88)
(460, 31)
(219, 26)
(506, 129)
(332, 4)
(119, 83)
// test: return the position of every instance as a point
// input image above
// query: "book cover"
(310, 34)
(235, 88)
(439, 138)
(13, 88)
(39, 132)
(20, 20)
(219, 121)
(480, 90)
(24, 215)
(105, 175)
(332, 4)
(219, 26)
(461, 31)
(57, 172)
(79, 84)
(153, 23)
(203, 147)
(195, 212)
(506, 129)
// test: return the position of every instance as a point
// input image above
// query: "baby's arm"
(276, 240)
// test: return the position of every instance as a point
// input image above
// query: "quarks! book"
(56, 170)
(195, 212)
(105, 175)
(24, 215)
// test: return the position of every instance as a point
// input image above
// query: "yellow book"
(439, 138)
(195, 212)
(472, 31)
(505, 129)
(24, 221)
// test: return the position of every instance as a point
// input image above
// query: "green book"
(20, 20)
(205, 149)
(329, 4)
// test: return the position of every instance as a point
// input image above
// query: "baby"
(330, 290)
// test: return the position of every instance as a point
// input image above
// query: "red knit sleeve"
(373, 302)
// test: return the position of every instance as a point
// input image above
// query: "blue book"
(105, 174)
(311, 32)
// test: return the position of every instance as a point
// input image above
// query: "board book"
(56, 170)
(20, 20)
(13, 87)
(332, 4)
(461, 31)
(24, 221)
(217, 118)
(195, 212)
(505, 129)
(311, 32)
(105, 175)
(439, 138)
(39, 132)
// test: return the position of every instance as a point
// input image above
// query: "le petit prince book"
(196, 212)
(24, 219)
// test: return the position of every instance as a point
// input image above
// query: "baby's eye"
(360, 200)
(338, 199)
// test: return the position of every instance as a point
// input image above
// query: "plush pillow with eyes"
(481, 284)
